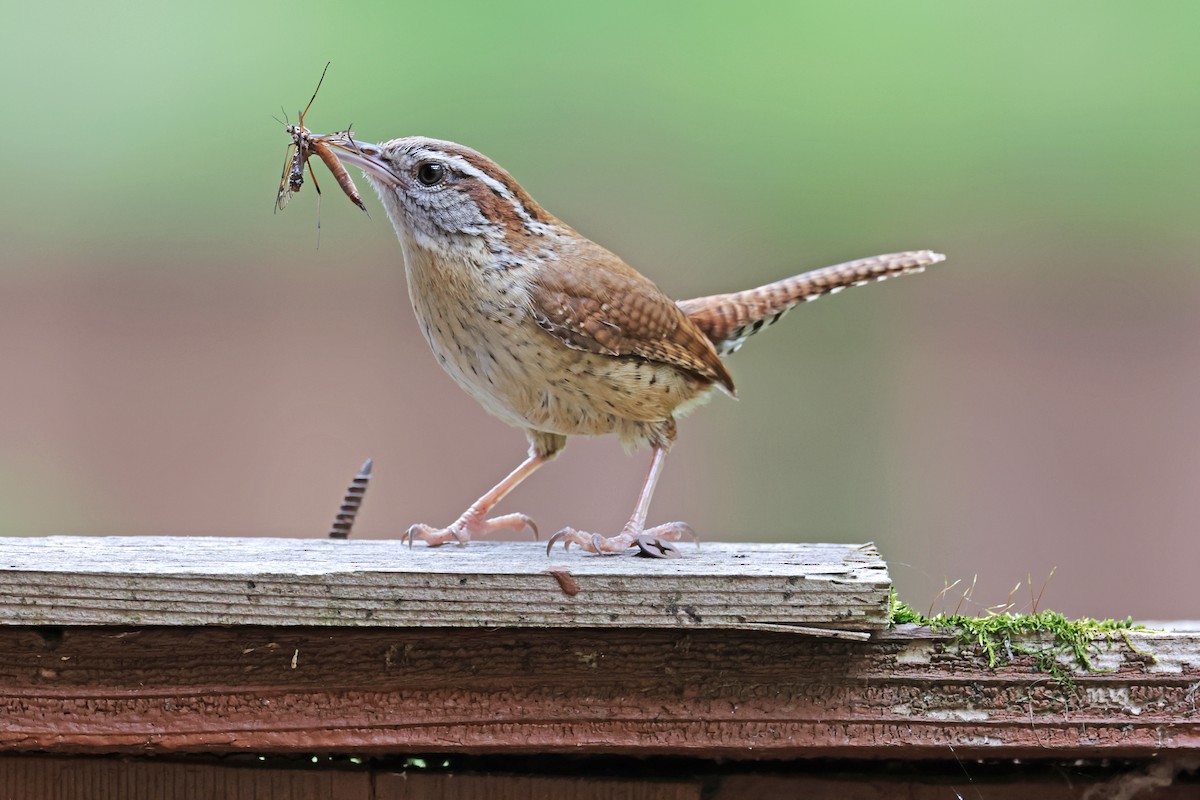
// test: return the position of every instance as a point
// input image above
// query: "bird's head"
(435, 191)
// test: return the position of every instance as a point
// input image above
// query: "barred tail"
(729, 319)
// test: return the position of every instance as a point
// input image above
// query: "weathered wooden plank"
(243, 581)
(33, 778)
(605, 691)
(417, 786)
(30, 777)
(971, 781)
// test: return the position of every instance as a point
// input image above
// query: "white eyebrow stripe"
(462, 165)
(467, 168)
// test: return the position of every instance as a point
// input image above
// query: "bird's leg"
(474, 521)
(653, 542)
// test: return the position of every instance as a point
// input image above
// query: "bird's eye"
(431, 173)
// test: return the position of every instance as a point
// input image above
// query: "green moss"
(1000, 636)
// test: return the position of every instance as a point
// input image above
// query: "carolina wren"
(554, 334)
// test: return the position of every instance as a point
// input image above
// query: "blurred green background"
(177, 359)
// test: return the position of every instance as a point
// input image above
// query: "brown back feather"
(606, 306)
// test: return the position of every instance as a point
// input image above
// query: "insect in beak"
(364, 155)
(304, 146)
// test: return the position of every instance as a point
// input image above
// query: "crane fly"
(326, 154)
(303, 147)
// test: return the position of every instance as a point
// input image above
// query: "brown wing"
(603, 305)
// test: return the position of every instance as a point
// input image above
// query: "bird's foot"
(467, 526)
(652, 543)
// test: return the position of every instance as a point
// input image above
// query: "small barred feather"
(729, 319)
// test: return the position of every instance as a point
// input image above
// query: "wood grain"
(192, 646)
(678, 692)
(98, 778)
(243, 581)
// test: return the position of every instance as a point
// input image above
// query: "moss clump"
(1001, 635)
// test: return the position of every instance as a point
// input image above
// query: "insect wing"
(287, 184)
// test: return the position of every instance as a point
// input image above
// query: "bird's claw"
(466, 527)
(652, 543)
(434, 537)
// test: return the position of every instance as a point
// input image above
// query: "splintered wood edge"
(833, 590)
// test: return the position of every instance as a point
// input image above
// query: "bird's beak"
(363, 155)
